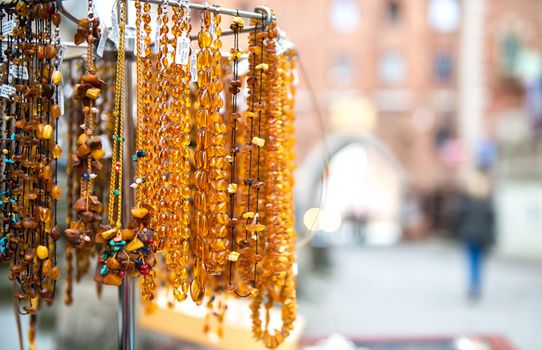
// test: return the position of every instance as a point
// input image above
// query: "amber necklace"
(235, 88)
(146, 137)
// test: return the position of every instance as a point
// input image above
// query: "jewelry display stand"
(126, 313)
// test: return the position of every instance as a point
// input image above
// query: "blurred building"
(512, 117)
(447, 85)
(383, 67)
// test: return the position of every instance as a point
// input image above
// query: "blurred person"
(474, 224)
(358, 217)
(412, 216)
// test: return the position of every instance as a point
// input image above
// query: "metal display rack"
(126, 313)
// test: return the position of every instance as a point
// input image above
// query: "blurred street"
(418, 290)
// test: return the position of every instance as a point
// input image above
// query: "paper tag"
(279, 47)
(7, 27)
(182, 50)
(106, 146)
(194, 66)
(61, 53)
(102, 42)
(114, 29)
(157, 38)
(7, 90)
(212, 28)
(17, 72)
(222, 95)
(61, 100)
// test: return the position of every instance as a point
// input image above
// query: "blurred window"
(345, 15)
(443, 67)
(444, 15)
(510, 52)
(393, 12)
(342, 71)
(392, 68)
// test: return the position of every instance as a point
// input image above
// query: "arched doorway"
(351, 187)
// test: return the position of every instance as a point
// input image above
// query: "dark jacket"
(474, 220)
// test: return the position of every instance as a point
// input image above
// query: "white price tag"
(61, 100)
(194, 67)
(7, 27)
(279, 47)
(18, 72)
(114, 30)
(212, 28)
(101, 44)
(157, 39)
(183, 50)
(7, 90)
(106, 146)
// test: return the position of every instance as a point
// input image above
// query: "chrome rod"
(260, 12)
(60, 7)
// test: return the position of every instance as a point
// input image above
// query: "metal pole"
(127, 289)
(126, 311)
(126, 314)
(259, 13)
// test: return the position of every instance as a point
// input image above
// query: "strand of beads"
(158, 176)
(86, 159)
(30, 110)
(185, 166)
(249, 204)
(29, 153)
(73, 115)
(277, 283)
(139, 249)
(146, 138)
(218, 240)
(114, 239)
(203, 144)
(177, 248)
(125, 251)
(234, 89)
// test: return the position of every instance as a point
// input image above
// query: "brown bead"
(45, 293)
(79, 36)
(30, 223)
(112, 279)
(50, 51)
(87, 216)
(30, 255)
(112, 263)
(73, 236)
(55, 18)
(83, 150)
(94, 80)
(55, 111)
(55, 273)
(94, 142)
(41, 52)
(128, 235)
(55, 233)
